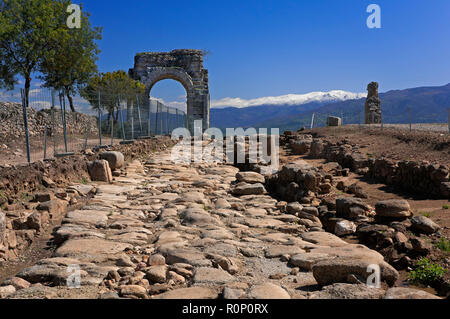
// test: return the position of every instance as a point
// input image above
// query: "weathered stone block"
(99, 170)
(115, 159)
(334, 121)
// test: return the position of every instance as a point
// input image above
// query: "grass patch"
(446, 206)
(426, 214)
(443, 244)
(25, 197)
(426, 273)
(84, 181)
(3, 197)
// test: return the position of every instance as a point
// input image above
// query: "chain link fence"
(49, 128)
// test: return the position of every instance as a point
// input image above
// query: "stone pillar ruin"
(372, 108)
(184, 66)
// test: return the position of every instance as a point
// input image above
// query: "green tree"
(111, 88)
(71, 64)
(28, 30)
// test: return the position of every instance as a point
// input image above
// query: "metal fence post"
(86, 139)
(448, 120)
(62, 102)
(99, 121)
(139, 115)
(121, 121)
(312, 120)
(25, 123)
(54, 130)
(161, 119)
(45, 142)
(167, 120)
(410, 119)
(132, 121)
(149, 117)
(112, 130)
(157, 118)
(359, 118)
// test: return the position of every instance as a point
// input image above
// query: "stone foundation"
(431, 181)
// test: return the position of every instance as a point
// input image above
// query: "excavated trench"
(42, 247)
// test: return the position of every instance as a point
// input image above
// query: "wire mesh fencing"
(55, 125)
(412, 119)
(142, 119)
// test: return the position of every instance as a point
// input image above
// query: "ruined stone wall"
(418, 178)
(12, 127)
(422, 178)
(184, 66)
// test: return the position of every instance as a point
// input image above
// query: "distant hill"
(250, 116)
(236, 112)
(427, 105)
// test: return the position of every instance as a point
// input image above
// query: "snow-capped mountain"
(289, 99)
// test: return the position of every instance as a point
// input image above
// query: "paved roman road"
(176, 231)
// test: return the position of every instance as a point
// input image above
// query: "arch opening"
(170, 92)
(184, 66)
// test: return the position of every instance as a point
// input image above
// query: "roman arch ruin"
(184, 66)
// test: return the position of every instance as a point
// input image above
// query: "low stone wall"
(12, 121)
(432, 181)
(418, 178)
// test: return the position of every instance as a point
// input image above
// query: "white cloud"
(289, 99)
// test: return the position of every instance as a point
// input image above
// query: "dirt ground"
(393, 143)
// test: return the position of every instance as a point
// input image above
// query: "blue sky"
(268, 48)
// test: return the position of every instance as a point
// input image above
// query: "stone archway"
(184, 66)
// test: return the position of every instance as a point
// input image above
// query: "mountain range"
(425, 104)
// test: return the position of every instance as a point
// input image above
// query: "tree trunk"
(27, 89)
(69, 97)
(116, 116)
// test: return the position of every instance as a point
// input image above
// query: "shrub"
(443, 244)
(426, 272)
(445, 206)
